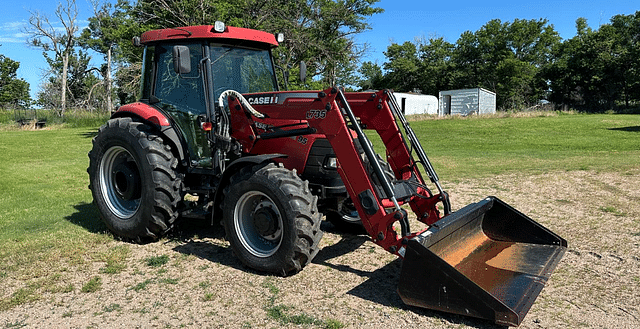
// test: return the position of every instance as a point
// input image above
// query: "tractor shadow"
(380, 286)
(634, 129)
(213, 253)
(200, 239)
(190, 233)
(89, 134)
(190, 229)
(86, 215)
(197, 237)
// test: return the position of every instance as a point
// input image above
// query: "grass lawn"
(48, 224)
(480, 147)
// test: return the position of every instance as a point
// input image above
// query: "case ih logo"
(262, 100)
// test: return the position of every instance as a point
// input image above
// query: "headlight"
(330, 162)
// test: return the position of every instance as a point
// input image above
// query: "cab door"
(182, 95)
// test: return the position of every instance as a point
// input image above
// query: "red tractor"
(211, 136)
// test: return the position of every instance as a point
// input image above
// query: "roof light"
(219, 27)
(280, 37)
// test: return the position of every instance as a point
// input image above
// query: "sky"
(402, 20)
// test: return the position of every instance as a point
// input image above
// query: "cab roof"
(230, 33)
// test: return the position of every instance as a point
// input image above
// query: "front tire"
(134, 181)
(271, 219)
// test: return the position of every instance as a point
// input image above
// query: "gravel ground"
(351, 283)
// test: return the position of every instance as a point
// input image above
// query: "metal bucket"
(486, 260)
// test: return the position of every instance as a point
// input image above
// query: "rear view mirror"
(181, 60)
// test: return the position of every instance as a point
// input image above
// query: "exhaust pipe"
(486, 260)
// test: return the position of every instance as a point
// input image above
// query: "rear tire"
(346, 219)
(271, 219)
(133, 180)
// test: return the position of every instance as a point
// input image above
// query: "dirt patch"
(193, 280)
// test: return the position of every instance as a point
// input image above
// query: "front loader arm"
(378, 111)
(337, 116)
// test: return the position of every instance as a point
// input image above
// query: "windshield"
(241, 69)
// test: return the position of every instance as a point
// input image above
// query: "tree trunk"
(108, 80)
(63, 83)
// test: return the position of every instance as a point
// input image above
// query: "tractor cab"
(186, 69)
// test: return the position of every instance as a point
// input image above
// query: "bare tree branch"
(42, 34)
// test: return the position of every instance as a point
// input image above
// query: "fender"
(156, 118)
(233, 168)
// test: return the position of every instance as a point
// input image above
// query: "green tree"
(437, 70)
(177, 13)
(597, 70)
(319, 32)
(503, 57)
(13, 90)
(627, 58)
(420, 65)
(109, 33)
(467, 58)
(371, 77)
(402, 67)
(507, 58)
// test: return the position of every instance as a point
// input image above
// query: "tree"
(109, 33)
(13, 91)
(329, 39)
(371, 76)
(597, 70)
(43, 34)
(176, 13)
(507, 58)
(319, 32)
(467, 58)
(627, 59)
(502, 57)
(80, 81)
(438, 72)
(403, 66)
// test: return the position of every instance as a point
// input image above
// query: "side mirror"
(136, 41)
(303, 71)
(181, 60)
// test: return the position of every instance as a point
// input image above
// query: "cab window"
(179, 92)
(241, 69)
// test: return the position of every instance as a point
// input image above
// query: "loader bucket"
(486, 260)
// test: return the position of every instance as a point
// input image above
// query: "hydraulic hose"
(224, 126)
(243, 101)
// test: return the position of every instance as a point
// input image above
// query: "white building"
(417, 103)
(467, 101)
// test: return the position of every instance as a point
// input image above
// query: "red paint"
(207, 32)
(146, 112)
(320, 110)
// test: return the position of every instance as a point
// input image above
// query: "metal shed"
(417, 103)
(467, 101)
